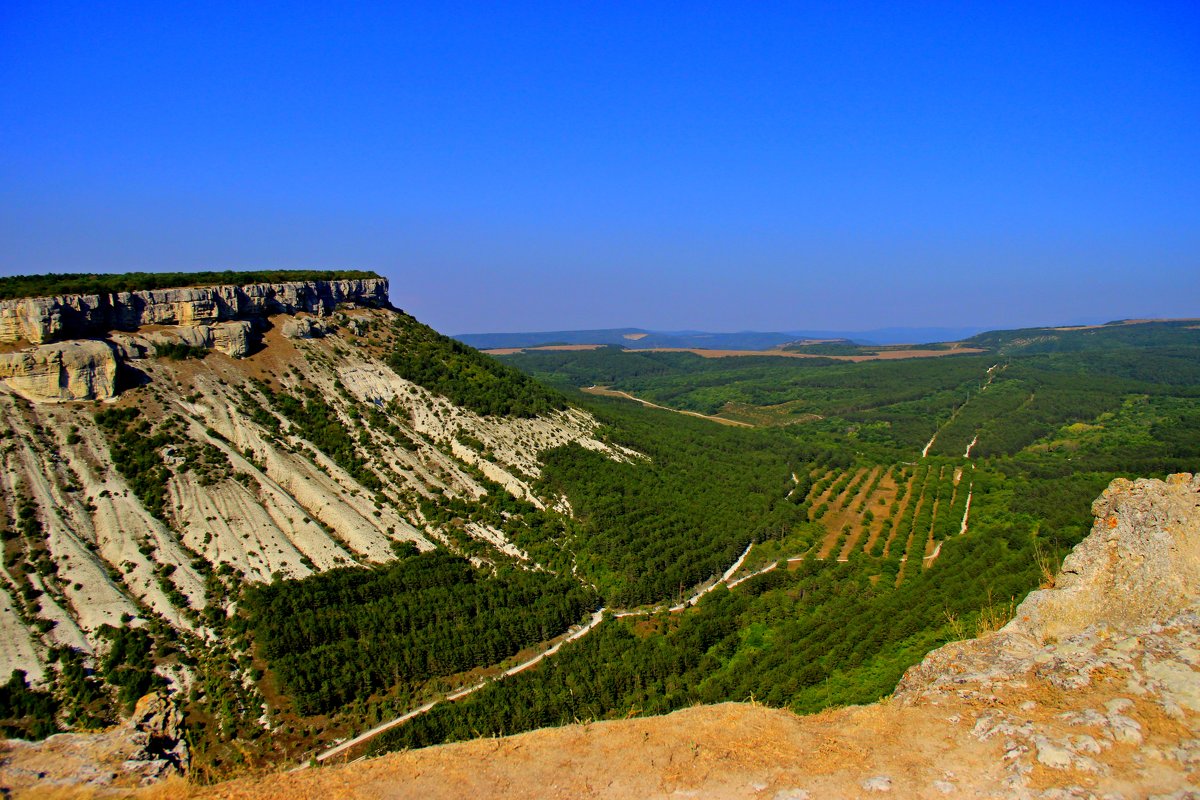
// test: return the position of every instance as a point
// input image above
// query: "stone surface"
(76, 370)
(1136, 566)
(233, 338)
(147, 748)
(879, 783)
(157, 728)
(46, 319)
(303, 328)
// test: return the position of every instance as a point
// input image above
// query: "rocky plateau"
(72, 347)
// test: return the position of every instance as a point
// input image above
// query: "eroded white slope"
(276, 504)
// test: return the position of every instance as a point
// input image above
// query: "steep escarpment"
(79, 370)
(1093, 690)
(129, 528)
(74, 346)
(46, 319)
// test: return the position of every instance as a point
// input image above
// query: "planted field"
(898, 514)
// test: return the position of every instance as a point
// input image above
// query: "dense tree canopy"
(100, 283)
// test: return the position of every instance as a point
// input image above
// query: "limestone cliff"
(46, 319)
(57, 366)
(77, 370)
(243, 493)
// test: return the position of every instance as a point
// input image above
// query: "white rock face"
(44, 319)
(76, 370)
(212, 318)
(268, 503)
(231, 338)
(303, 328)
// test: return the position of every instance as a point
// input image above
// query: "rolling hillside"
(317, 528)
(344, 436)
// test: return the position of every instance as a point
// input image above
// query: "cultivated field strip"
(899, 514)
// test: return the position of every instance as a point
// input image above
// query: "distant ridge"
(642, 338)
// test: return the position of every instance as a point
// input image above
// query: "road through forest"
(596, 619)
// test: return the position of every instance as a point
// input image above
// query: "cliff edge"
(1092, 691)
(72, 347)
(39, 320)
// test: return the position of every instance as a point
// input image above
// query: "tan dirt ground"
(732, 750)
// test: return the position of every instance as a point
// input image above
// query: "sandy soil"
(742, 750)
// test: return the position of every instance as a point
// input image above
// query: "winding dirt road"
(600, 390)
(574, 635)
(596, 619)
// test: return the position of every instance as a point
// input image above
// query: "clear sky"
(715, 166)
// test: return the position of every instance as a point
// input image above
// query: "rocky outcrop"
(156, 728)
(303, 328)
(148, 747)
(1138, 568)
(77, 370)
(222, 318)
(1140, 565)
(1092, 691)
(1099, 674)
(231, 338)
(46, 319)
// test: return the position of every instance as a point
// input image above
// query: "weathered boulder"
(231, 338)
(76, 370)
(156, 727)
(1139, 565)
(303, 328)
(131, 347)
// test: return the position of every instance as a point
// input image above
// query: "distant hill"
(642, 339)
(1118, 335)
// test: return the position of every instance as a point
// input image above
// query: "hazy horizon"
(792, 329)
(537, 168)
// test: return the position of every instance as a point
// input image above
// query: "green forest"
(883, 508)
(349, 633)
(464, 375)
(1050, 431)
(53, 284)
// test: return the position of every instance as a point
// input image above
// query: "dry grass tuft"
(993, 617)
(1045, 564)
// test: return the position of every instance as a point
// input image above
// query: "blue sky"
(520, 166)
